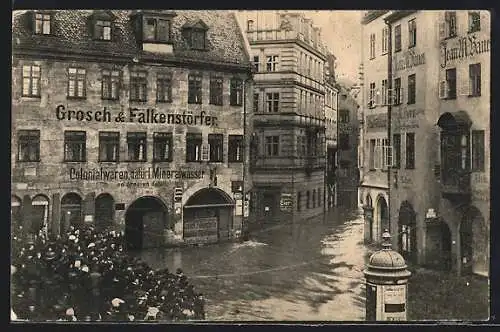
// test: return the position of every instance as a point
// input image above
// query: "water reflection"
(308, 271)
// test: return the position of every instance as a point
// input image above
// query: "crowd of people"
(85, 275)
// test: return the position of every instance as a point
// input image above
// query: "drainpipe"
(245, 155)
(389, 117)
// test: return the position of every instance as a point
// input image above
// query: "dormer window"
(195, 34)
(103, 30)
(42, 23)
(156, 30)
(102, 24)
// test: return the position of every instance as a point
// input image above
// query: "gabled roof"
(195, 24)
(71, 34)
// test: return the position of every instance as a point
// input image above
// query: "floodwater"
(312, 270)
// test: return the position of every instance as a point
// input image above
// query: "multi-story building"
(374, 189)
(288, 139)
(130, 119)
(331, 132)
(439, 114)
(347, 155)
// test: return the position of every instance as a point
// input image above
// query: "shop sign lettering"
(141, 173)
(408, 60)
(464, 47)
(136, 115)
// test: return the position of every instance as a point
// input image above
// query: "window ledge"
(194, 103)
(74, 161)
(110, 99)
(164, 101)
(473, 31)
(136, 161)
(162, 161)
(28, 161)
(450, 37)
(76, 97)
(137, 101)
(31, 98)
(474, 95)
(109, 161)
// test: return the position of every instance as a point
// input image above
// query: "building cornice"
(398, 14)
(372, 15)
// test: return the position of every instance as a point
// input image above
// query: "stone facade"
(288, 156)
(113, 193)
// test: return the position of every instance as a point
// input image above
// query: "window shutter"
(389, 158)
(138, 27)
(442, 89)
(376, 158)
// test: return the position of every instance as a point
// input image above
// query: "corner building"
(132, 120)
(288, 138)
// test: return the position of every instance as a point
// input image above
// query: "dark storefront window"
(451, 83)
(75, 145)
(235, 148)
(109, 146)
(475, 79)
(216, 90)
(216, 144)
(410, 150)
(478, 150)
(162, 147)
(137, 146)
(138, 86)
(164, 88)
(236, 93)
(194, 89)
(110, 84)
(411, 89)
(193, 146)
(28, 145)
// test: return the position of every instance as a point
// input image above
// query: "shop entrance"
(104, 211)
(408, 232)
(145, 221)
(208, 216)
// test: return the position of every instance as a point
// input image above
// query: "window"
(28, 145)
(385, 154)
(216, 90)
(164, 87)
(464, 152)
(314, 198)
(162, 147)
(475, 79)
(372, 95)
(216, 143)
(249, 25)
(102, 30)
(412, 33)
(272, 63)
(299, 199)
(42, 23)
(256, 102)
(397, 150)
(451, 83)
(372, 46)
(385, 40)
(397, 38)
(75, 145)
(194, 89)
(110, 84)
(109, 146)
(196, 39)
(256, 63)
(31, 81)
(378, 154)
(76, 82)
(303, 146)
(235, 148)
(344, 116)
(478, 150)
(411, 89)
(272, 145)
(410, 150)
(451, 24)
(236, 93)
(397, 91)
(344, 142)
(138, 86)
(474, 21)
(193, 146)
(372, 155)
(156, 30)
(384, 92)
(272, 102)
(308, 199)
(137, 146)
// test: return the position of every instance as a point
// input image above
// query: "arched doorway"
(382, 221)
(104, 210)
(145, 222)
(208, 216)
(15, 212)
(368, 214)
(71, 211)
(446, 246)
(407, 223)
(40, 212)
(474, 243)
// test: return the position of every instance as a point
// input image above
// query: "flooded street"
(312, 270)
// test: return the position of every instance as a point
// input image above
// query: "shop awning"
(454, 119)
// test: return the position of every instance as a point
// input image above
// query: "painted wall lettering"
(463, 47)
(408, 60)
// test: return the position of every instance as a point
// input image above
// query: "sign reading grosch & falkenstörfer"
(136, 115)
(463, 47)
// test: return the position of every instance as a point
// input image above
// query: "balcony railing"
(290, 162)
(455, 182)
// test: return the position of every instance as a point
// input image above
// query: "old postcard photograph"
(193, 166)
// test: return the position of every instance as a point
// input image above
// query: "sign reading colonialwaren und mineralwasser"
(135, 115)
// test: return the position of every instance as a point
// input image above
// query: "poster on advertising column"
(394, 302)
(286, 203)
